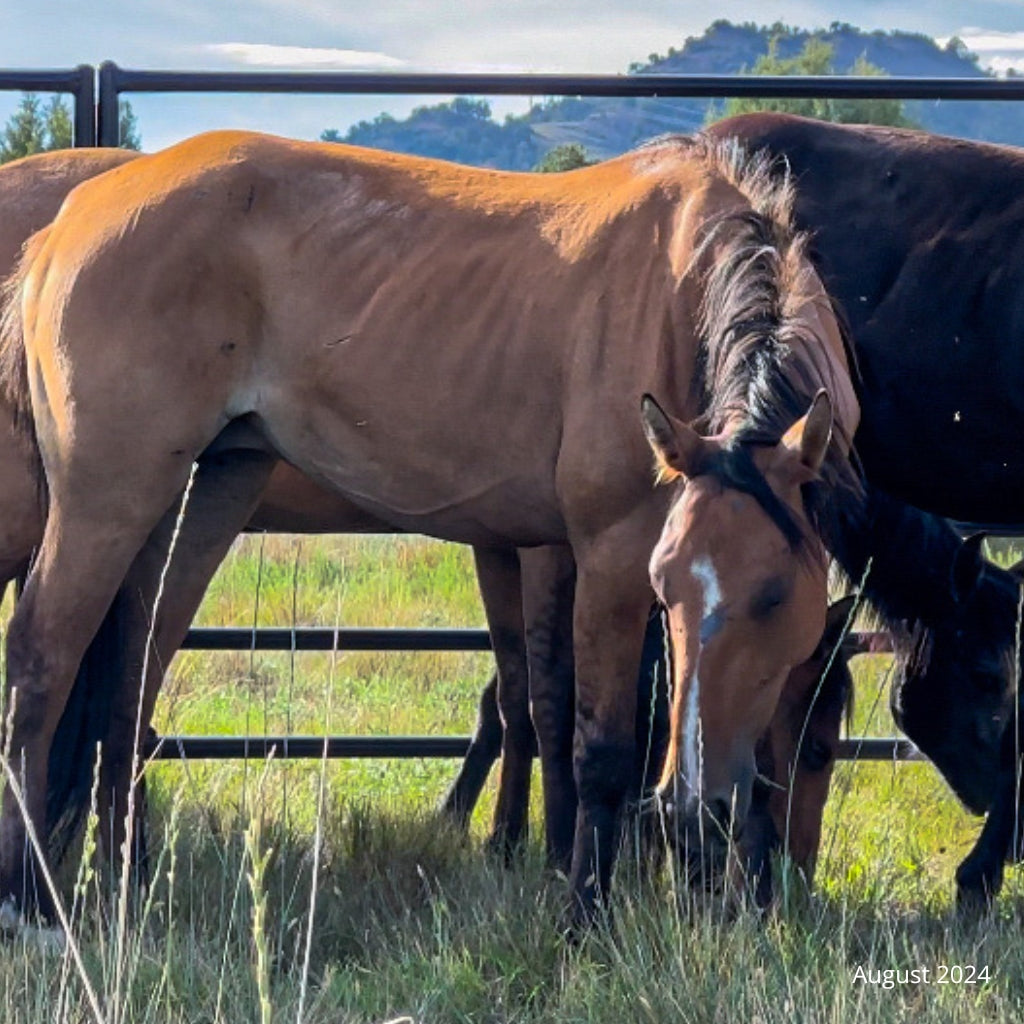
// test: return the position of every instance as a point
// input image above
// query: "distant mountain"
(465, 131)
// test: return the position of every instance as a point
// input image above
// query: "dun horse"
(31, 191)
(315, 302)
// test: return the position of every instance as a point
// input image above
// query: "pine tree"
(815, 59)
(25, 132)
(128, 126)
(59, 130)
(36, 127)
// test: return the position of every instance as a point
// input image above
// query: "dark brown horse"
(919, 240)
(314, 302)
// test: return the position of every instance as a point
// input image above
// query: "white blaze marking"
(704, 572)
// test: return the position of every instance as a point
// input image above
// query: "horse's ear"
(836, 618)
(809, 437)
(968, 566)
(679, 449)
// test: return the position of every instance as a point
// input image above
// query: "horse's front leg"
(980, 876)
(549, 583)
(613, 599)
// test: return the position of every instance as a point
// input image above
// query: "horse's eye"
(769, 596)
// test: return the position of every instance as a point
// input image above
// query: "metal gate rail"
(97, 121)
(80, 82)
(114, 80)
(168, 748)
(235, 748)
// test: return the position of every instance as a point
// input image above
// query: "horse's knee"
(603, 769)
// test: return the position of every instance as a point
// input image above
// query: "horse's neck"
(904, 556)
(820, 347)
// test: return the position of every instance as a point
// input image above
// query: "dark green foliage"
(37, 127)
(26, 131)
(815, 58)
(566, 157)
(461, 130)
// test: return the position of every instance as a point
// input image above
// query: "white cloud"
(271, 56)
(997, 51)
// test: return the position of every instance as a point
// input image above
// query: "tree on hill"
(566, 157)
(461, 130)
(815, 58)
(36, 127)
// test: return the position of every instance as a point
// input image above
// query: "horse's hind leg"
(92, 534)
(484, 750)
(224, 495)
(501, 590)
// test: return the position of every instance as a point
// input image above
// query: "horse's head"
(954, 691)
(743, 578)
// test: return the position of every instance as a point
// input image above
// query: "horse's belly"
(455, 441)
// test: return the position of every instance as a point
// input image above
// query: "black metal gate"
(96, 120)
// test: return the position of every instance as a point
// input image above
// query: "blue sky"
(460, 35)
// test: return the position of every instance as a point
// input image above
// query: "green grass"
(411, 920)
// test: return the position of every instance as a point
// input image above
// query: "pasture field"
(411, 922)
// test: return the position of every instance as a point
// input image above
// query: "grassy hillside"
(464, 130)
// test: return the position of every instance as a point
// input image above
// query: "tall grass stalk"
(258, 861)
(128, 846)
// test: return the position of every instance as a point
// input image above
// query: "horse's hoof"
(977, 887)
(11, 921)
(46, 939)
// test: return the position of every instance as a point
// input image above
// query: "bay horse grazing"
(457, 352)
(918, 239)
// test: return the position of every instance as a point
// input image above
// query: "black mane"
(747, 367)
(747, 363)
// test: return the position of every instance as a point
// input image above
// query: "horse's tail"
(82, 728)
(14, 375)
(87, 714)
